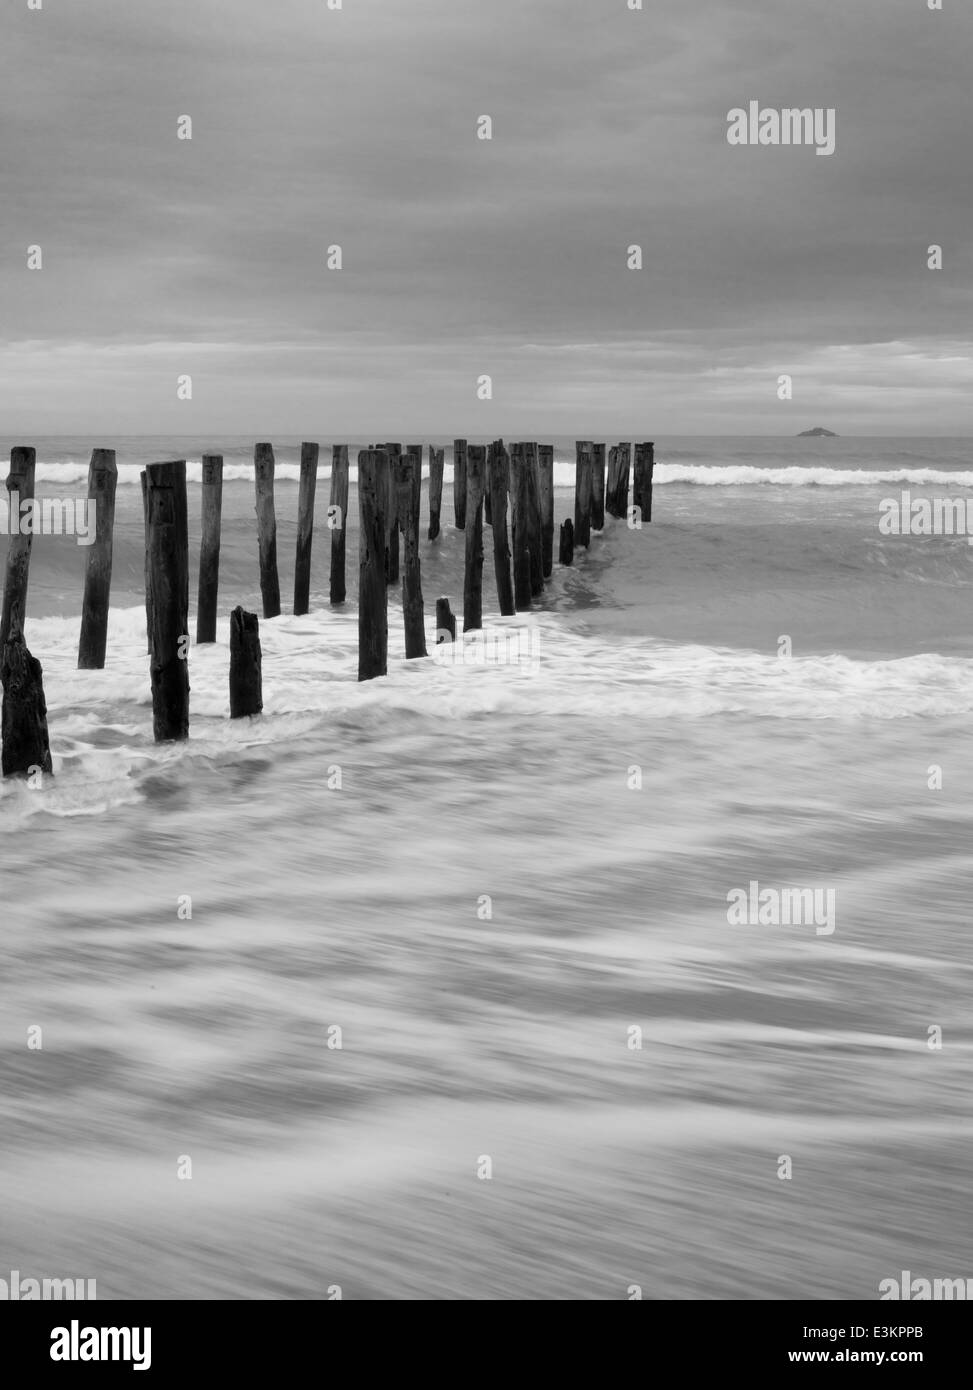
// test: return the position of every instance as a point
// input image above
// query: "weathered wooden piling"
(436, 463)
(23, 722)
(263, 470)
(406, 467)
(616, 496)
(499, 471)
(534, 547)
(246, 665)
(582, 492)
(598, 488)
(373, 619)
(445, 622)
(459, 483)
(520, 507)
(473, 585)
(305, 528)
(566, 547)
(20, 488)
(169, 588)
(337, 520)
(392, 451)
(209, 548)
(415, 451)
(102, 477)
(545, 470)
(148, 587)
(487, 489)
(642, 482)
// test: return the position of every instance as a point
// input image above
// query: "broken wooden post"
(499, 470)
(23, 723)
(642, 483)
(263, 471)
(436, 460)
(209, 548)
(459, 483)
(473, 585)
(102, 477)
(337, 518)
(169, 588)
(534, 521)
(445, 622)
(545, 469)
(392, 451)
(246, 665)
(566, 548)
(148, 587)
(20, 488)
(373, 617)
(406, 468)
(521, 523)
(582, 492)
(598, 488)
(305, 528)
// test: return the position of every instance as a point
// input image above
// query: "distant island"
(817, 433)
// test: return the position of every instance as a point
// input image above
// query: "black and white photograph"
(487, 659)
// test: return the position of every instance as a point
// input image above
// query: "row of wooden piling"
(489, 483)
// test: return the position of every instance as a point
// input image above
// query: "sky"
(464, 258)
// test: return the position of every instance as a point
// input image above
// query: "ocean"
(502, 889)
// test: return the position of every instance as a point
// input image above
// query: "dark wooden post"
(102, 477)
(618, 505)
(534, 521)
(20, 488)
(209, 548)
(415, 451)
(263, 470)
(246, 665)
(642, 485)
(406, 466)
(459, 483)
(545, 468)
(23, 723)
(337, 520)
(612, 482)
(305, 528)
(566, 548)
(445, 622)
(373, 613)
(598, 488)
(582, 493)
(473, 586)
(488, 489)
(148, 587)
(436, 459)
(499, 470)
(169, 588)
(393, 451)
(521, 525)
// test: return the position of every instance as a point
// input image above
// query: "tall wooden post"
(473, 586)
(169, 587)
(436, 460)
(337, 520)
(406, 467)
(534, 521)
(521, 524)
(459, 483)
(373, 616)
(488, 489)
(642, 485)
(624, 471)
(263, 470)
(20, 488)
(246, 665)
(598, 488)
(102, 477)
(305, 528)
(582, 493)
(499, 470)
(209, 549)
(415, 451)
(392, 451)
(23, 722)
(545, 468)
(148, 586)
